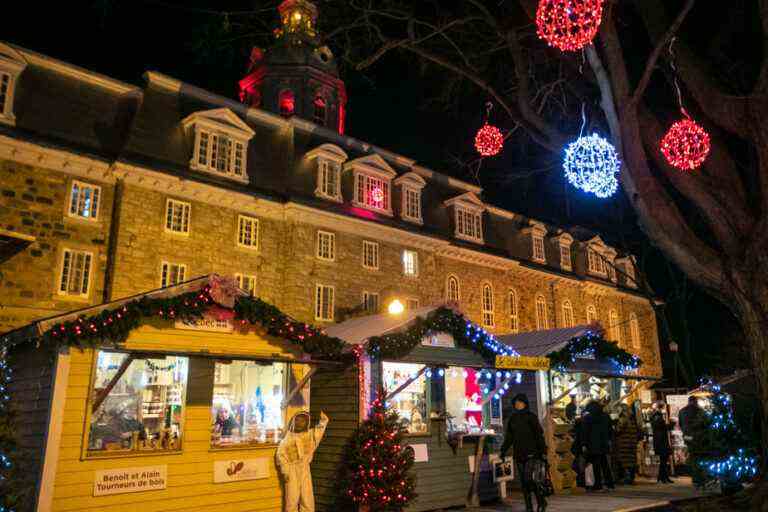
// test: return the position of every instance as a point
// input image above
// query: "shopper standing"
(661, 446)
(627, 436)
(526, 437)
(598, 431)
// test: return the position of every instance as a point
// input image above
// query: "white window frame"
(595, 262)
(371, 249)
(170, 204)
(65, 267)
(565, 257)
(10, 67)
(255, 226)
(514, 319)
(591, 314)
(568, 320)
(244, 279)
(542, 315)
(96, 198)
(539, 252)
(469, 223)
(165, 270)
(634, 331)
(320, 307)
(410, 192)
(486, 299)
(410, 268)
(448, 294)
(321, 238)
(327, 167)
(614, 326)
(362, 180)
(220, 123)
(367, 298)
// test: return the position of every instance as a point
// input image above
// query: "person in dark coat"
(526, 437)
(627, 436)
(661, 446)
(691, 417)
(577, 449)
(570, 409)
(598, 430)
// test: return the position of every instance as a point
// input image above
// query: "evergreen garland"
(593, 345)
(377, 465)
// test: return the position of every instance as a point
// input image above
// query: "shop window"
(84, 200)
(177, 214)
(452, 289)
(370, 255)
(412, 402)
(247, 232)
(137, 403)
(247, 403)
(465, 389)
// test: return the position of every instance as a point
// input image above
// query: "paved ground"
(645, 494)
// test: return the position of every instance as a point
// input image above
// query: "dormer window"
(411, 185)
(373, 183)
(329, 159)
(11, 66)
(220, 143)
(320, 111)
(595, 262)
(467, 217)
(537, 231)
(628, 264)
(565, 241)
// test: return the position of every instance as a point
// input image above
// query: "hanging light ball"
(592, 165)
(568, 25)
(489, 140)
(686, 144)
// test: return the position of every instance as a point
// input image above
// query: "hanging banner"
(522, 363)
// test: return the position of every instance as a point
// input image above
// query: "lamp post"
(673, 348)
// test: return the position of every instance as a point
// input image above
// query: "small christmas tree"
(377, 465)
(720, 449)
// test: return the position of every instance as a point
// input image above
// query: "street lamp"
(395, 307)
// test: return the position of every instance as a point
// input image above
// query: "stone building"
(109, 189)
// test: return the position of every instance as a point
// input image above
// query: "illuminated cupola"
(298, 75)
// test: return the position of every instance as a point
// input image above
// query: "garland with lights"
(720, 450)
(593, 345)
(377, 464)
(592, 165)
(445, 320)
(568, 25)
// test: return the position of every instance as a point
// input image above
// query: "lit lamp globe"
(395, 307)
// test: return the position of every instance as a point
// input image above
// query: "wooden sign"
(522, 363)
(207, 323)
(125, 480)
(240, 469)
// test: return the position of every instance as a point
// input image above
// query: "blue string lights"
(7, 444)
(592, 345)
(592, 165)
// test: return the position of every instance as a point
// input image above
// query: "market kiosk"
(173, 401)
(439, 373)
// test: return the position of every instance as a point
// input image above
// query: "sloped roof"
(356, 331)
(541, 343)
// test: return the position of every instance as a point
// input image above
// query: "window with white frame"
(5, 93)
(568, 314)
(328, 179)
(541, 313)
(76, 269)
(469, 224)
(452, 289)
(410, 263)
(412, 304)
(565, 257)
(326, 246)
(247, 232)
(220, 153)
(595, 262)
(488, 317)
(514, 325)
(9, 73)
(370, 255)
(634, 330)
(247, 283)
(591, 314)
(615, 328)
(324, 305)
(538, 247)
(84, 200)
(372, 192)
(412, 204)
(172, 273)
(371, 302)
(177, 216)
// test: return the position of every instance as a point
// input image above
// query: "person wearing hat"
(294, 454)
(526, 437)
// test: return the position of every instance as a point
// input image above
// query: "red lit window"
(320, 111)
(287, 103)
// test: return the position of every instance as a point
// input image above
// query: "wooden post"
(299, 387)
(473, 500)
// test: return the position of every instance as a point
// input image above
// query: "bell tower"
(297, 75)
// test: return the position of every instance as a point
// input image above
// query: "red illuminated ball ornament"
(568, 25)
(489, 140)
(686, 144)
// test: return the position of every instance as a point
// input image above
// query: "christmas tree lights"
(568, 25)
(686, 144)
(489, 140)
(592, 165)
(9, 494)
(377, 463)
(592, 345)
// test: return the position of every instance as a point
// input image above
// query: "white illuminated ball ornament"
(592, 165)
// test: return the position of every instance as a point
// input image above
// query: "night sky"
(388, 106)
